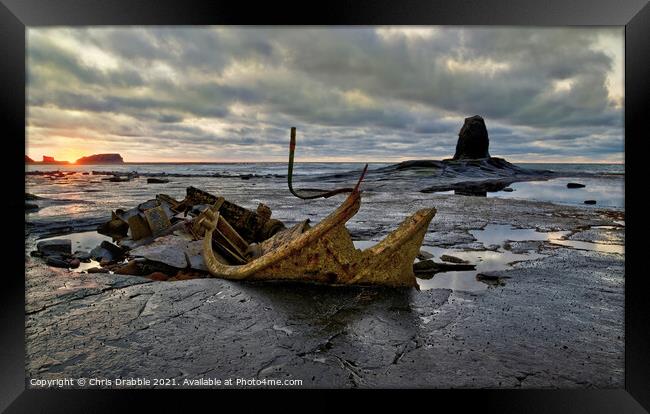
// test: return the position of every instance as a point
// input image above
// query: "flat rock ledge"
(557, 322)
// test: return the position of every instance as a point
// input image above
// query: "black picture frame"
(16, 15)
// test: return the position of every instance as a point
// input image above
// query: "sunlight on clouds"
(563, 85)
(229, 92)
(391, 33)
(613, 45)
(244, 71)
(483, 66)
(87, 53)
(356, 97)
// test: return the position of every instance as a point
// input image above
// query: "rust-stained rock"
(157, 276)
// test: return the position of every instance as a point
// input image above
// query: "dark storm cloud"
(366, 93)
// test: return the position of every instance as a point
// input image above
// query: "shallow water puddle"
(484, 260)
(83, 241)
(500, 233)
(495, 236)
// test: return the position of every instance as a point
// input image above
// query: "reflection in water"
(499, 258)
(83, 241)
(607, 191)
(499, 233)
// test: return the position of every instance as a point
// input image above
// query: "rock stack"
(473, 140)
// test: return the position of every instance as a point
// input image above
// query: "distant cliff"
(101, 159)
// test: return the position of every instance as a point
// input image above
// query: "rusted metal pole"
(320, 193)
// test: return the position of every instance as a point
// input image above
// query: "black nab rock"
(473, 140)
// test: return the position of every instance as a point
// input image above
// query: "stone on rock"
(169, 250)
(575, 185)
(157, 180)
(97, 270)
(133, 268)
(473, 141)
(106, 252)
(452, 259)
(54, 247)
(74, 263)
(82, 256)
(55, 261)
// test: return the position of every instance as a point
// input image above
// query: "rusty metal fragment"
(157, 220)
(250, 225)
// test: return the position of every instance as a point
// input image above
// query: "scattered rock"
(54, 247)
(157, 180)
(117, 179)
(429, 266)
(133, 268)
(74, 263)
(473, 140)
(169, 250)
(488, 276)
(424, 255)
(575, 185)
(56, 261)
(492, 280)
(590, 201)
(452, 259)
(508, 190)
(83, 256)
(106, 252)
(97, 270)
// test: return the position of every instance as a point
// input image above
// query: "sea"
(604, 183)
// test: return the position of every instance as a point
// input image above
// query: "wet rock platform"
(556, 322)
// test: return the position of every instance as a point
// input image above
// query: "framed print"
(428, 197)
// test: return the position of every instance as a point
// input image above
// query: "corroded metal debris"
(325, 252)
(207, 233)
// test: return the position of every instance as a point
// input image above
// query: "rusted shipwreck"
(323, 253)
(241, 244)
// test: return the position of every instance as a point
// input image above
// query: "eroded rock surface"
(554, 322)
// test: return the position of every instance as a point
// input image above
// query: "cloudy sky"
(354, 93)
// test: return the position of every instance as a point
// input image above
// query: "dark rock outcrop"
(101, 159)
(473, 140)
(28, 160)
(157, 180)
(54, 247)
(575, 185)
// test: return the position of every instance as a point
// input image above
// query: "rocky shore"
(544, 327)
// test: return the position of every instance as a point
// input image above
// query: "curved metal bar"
(321, 193)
